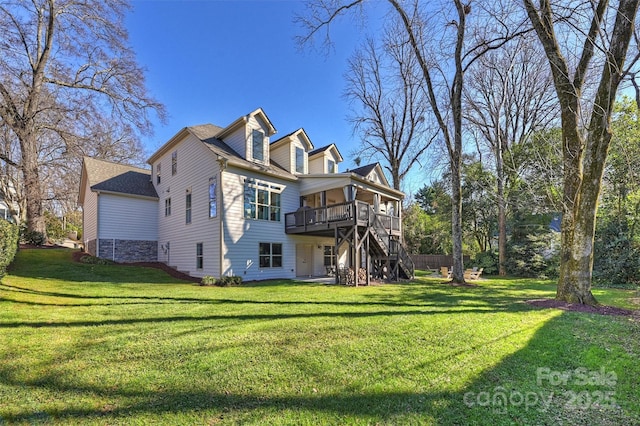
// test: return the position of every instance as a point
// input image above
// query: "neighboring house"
(4, 210)
(234, 201)
(9, 210)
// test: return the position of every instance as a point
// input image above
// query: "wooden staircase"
(388, 250)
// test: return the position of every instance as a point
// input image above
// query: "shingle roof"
(207, 134)
(119, 178)
(321, 149)
(283, 137)
(364, 170)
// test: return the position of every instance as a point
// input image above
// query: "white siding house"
(225, 201)
(291, 152)
(118, 204)
(136, 224)
(324, 160)
(183, 227)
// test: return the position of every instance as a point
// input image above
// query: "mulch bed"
(77, 255)
(575, 307)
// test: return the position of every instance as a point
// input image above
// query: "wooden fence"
(435, 261)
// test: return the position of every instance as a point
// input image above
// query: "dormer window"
(331, 166)
(257, 138)
(299, 160)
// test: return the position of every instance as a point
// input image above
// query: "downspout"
(84, 234)
(97, 224)
(221, 208)
(399, 213)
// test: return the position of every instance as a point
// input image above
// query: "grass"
(96, 344)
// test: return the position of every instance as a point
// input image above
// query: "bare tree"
(93, 136)
(604, 32)
(632, 72)
(63, 63)
(509, 96)
(10, 179)
(390, 111)
(443, 56)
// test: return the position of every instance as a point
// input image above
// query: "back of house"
(223, 201)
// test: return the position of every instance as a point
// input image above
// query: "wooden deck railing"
(342, 212)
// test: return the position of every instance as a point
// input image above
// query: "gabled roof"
(212, 130)
(208, 134)
(331, 147)
(241, 121)
(366, 171)
(105, 176)
(300, 133)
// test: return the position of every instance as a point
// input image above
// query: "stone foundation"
(90, 247)
(129, 250)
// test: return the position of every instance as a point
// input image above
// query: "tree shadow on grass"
(374, 305)
(399, 296)
(233, 317)
(572, 371)
(511, 392)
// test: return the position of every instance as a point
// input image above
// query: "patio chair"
(473, 275)
(445, 272)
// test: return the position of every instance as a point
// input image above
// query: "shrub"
(92, 260)
(34, 238)
(8, 244)
(55, 231)
(488, 260)
(616, 255)
(74, 228)
(229, 280)
(208, 280)
(535, 255)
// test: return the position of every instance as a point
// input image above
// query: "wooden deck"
(324, 220)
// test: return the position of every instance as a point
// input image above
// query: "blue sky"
(214, 61)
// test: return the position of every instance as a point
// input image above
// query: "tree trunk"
(502, 214)
(576, 253)
(578, 235)
(395, 174)
(574, 285)
(32, 186)
(456, 223)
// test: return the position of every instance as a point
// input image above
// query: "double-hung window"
(167, 206)
(158, 173)
(262, 200)
(270, 255)
(188, 207)
(213, 203)
(329, 256)
(199, 256)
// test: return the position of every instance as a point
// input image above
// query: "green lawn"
(124, 345)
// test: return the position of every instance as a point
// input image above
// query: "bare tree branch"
(66, 62)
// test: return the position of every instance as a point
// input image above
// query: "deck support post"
(356, 256)
(335, 253)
